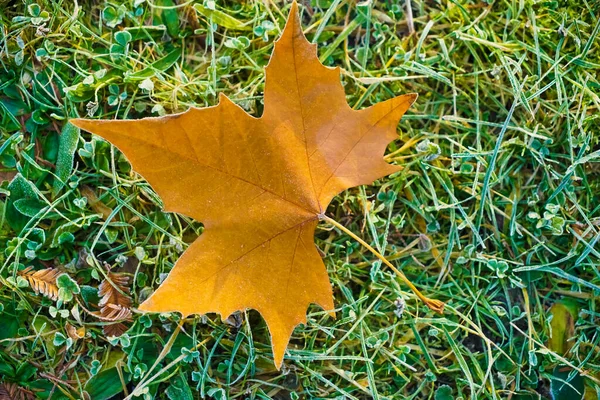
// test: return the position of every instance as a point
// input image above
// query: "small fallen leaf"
(42, 281)
(12, 391)
(562, 327)
(97, 205)
(114, 303)
(74, 333)
(259, 185)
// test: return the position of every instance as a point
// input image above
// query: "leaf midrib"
(196, 160)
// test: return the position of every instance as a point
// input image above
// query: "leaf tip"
(223, 98)
(293, 21)
(396, 106)
(279, 345)
(294, 7)
(82, 123)
(412, 97)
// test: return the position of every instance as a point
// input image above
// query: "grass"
(496, 212)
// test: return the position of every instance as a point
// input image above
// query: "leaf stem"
(435, 305)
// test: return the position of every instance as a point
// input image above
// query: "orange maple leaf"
(259, 185)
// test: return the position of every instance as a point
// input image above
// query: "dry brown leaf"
(7, 175)
(114, 329)
(95, 203)
(12, 391)
(115, 303)
(259, 185)
(42, 281)
(74, 333)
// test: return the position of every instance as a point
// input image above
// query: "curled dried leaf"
(42, 281)
(75, 333)
(115, 303)
(12, 391)
(95, 203)
(114, 329)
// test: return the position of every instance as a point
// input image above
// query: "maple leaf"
(259, 185)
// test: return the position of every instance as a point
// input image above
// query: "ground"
(496, 211)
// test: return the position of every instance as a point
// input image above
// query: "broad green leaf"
(45, 389)
(41, 325)
(168, 16)
(179, 389)
(29, 207)
(25, 371)
(562, 327)
(68, 140)
(444, 392)
(20, 188)
(6, 369)
(566, 384)
(160, 65)
(10, 321)
(106, 384)
(221, 18)
(147, 32)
